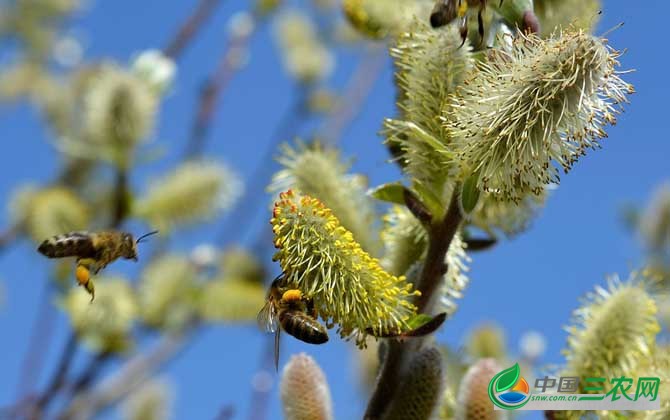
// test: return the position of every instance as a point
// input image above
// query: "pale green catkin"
(612, 334)
(431, 66)
(556, 14)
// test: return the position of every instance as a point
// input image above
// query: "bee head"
(129, 247)
(130, 244)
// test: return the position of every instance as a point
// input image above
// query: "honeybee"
(289, 310)
(446, 11)
(93, 250)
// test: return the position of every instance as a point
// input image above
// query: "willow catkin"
(304, 391)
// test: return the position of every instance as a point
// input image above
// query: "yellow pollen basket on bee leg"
(83, 275)
(292, 295)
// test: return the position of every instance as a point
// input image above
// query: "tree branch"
(190, 27)
(128, 378)
(355, 94)
(441, 234)
(213, 89)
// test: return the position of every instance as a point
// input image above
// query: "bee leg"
(277, 349)
(480, 22)
(98, 268)
(310, 307)
(464, 31)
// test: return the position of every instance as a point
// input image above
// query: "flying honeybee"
(446, 11)
(289, 310)
(93, 250)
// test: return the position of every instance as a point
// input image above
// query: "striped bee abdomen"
(303, 327)
(73, 244)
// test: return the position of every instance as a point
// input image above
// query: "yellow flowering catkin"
(348, 286)
(320, 172)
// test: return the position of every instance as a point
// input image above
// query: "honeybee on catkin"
(289, 310)
(93, 251)
(446, 11)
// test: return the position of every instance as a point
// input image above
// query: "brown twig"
(41, 333)
(58, 379)
(213, 88)
(8, 236)
(190, 27)
(127, 378)
(355, 94)
(261, 397)
(440, 235)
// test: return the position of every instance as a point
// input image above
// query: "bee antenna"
(145, 235)
(614, 28)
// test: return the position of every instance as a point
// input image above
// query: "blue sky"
(532, 282)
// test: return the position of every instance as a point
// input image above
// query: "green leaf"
(470, 194)
(507, 378)
(418, 320)
(429, 199)
(393, 192)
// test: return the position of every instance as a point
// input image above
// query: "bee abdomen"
(303, 327)
(74, 244)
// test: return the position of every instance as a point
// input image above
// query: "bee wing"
(72, 244)
(267, 318)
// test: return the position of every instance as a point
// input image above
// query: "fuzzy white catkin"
(49, 211)
(530, 112)
(156, 69)
(119, 109)
(532, 344)
(150, 401)
(166, 292)
(613, 331)
(192, 192)
(305, 56)
(304, 391)
(104, 324)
